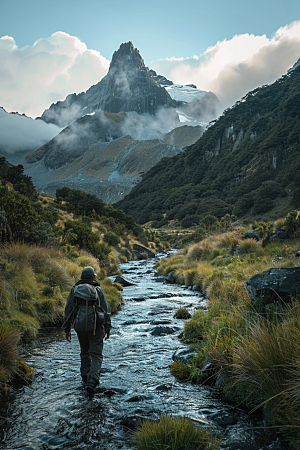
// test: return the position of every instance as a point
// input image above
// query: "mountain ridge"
(245, 162)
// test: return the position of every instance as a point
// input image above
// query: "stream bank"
(56, 413)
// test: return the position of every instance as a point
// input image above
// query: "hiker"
(88, 310)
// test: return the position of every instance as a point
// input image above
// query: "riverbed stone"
(240, 437)
(224, 419)
(275, 284)
(163, 387)
(160, 279)
(183, 355)
(170, 278)
(123, 281)
(196, 288)
(131, 422)
(136, 256)
(162, 331)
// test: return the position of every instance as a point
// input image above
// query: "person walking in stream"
(88, 310)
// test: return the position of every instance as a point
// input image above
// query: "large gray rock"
(171, 278)
(281, 235)
(275, 284)
(141, 249)
(183, 355)
(162, 331)
(123, 281)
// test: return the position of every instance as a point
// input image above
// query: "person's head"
(88, 273)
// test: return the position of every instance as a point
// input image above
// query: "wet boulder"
(160, 279)
(251, 235)
(196, 288)
(183, 355)
(275, 284)
(170, 278)
(140, 249)
(136, 256)
(162, 331)
(123, 281)
(240, 436)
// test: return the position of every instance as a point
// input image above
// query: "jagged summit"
(128, 86)
(127, 56)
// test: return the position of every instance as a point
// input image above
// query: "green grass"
(256, 347)
(173, 434)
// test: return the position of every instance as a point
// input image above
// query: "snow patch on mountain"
(183, 93)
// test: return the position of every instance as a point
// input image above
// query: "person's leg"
(85, 355)
(96, 348)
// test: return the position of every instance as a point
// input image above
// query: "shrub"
(111, 239)
(177, 433)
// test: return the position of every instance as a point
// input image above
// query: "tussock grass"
(182, 313)
(177, 433)
(9, 338)
(256, 347)
(248, 246)
(34, 285)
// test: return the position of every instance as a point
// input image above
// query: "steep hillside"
(106, 169)
(246, 162)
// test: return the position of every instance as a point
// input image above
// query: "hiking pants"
(91, 354)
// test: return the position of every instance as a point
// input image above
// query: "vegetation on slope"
(246, 163)
(44, 244)
(252, 347)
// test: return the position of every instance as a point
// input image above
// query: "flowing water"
(55, 412)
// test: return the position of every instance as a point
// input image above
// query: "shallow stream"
(56, 413)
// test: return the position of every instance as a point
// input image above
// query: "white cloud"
(233, 67)
(31, 78)
(23, 134)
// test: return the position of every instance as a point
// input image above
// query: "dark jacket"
(69, 317)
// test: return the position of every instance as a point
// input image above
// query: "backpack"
(89, 313)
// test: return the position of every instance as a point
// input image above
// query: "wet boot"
(90, 391)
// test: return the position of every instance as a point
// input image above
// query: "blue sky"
(160, 29)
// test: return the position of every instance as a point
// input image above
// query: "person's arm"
(69, 315)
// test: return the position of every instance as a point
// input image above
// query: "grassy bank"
(253, 349)
(34, 285)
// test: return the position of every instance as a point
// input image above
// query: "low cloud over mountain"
(233, 67)
(22, 134)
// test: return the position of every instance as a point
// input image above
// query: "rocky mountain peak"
(128, 86)
(127, 57)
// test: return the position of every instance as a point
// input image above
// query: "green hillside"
(246, 163)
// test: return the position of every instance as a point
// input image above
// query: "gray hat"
(87, 273)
